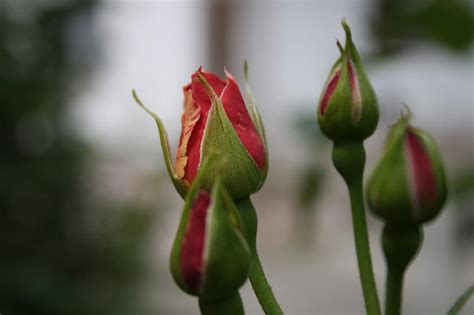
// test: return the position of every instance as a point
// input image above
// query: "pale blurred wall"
(154, 46)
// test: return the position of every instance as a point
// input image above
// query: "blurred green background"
(85, 228)
(61, 252)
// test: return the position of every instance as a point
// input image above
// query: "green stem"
(364, 260)
(231, 305)
(400, 246)
(457, 307)
(393, 293)
(257, 277)
(262, 288)
(349, 160)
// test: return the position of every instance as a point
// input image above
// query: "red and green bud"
(210, 256)
(217, 120)
(408, 185)
(348, 109)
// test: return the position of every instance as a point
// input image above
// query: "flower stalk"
(230, 305)
(400, 246)
(258, 280)
(349, 160)
(362, 245)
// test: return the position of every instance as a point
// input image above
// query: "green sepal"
(255, 116)
(341, 122)
(242, 176)
(165, 147)
(388, 192)
(226, 252)
(369, 116)
(350, 48)
(388, 189)
(253, 108)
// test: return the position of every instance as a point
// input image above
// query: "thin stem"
(349, 160)
(231, 305)
(262, 288)
(400, 244)
(393, 293)
(257, 277)
(362, 245)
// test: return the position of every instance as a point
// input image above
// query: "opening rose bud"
(348, 108)
(210, 256)
(408, 185)
(217, 120)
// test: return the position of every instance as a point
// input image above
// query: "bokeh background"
(87, 213)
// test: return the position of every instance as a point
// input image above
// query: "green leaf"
(255, 115)
(165, 147)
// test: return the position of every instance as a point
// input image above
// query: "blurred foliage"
(310, 185)
(396, 25)
(308, 129)
(311, 177)
(463, 184)
(312, 174)
(51, 262)
(462, 194)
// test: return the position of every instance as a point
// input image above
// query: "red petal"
(355, 92)
(329, 90)
(193, 242)
(189, 119)
(239, 116)
(423, 175)
(203, 102)
(199, 92)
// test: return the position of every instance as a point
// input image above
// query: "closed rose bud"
(348, 109)
(210, 256)
(408, 185)
(217, 120)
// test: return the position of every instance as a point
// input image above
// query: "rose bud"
(216, 119)
(408, 185)
(348, 109)
(210, 256)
